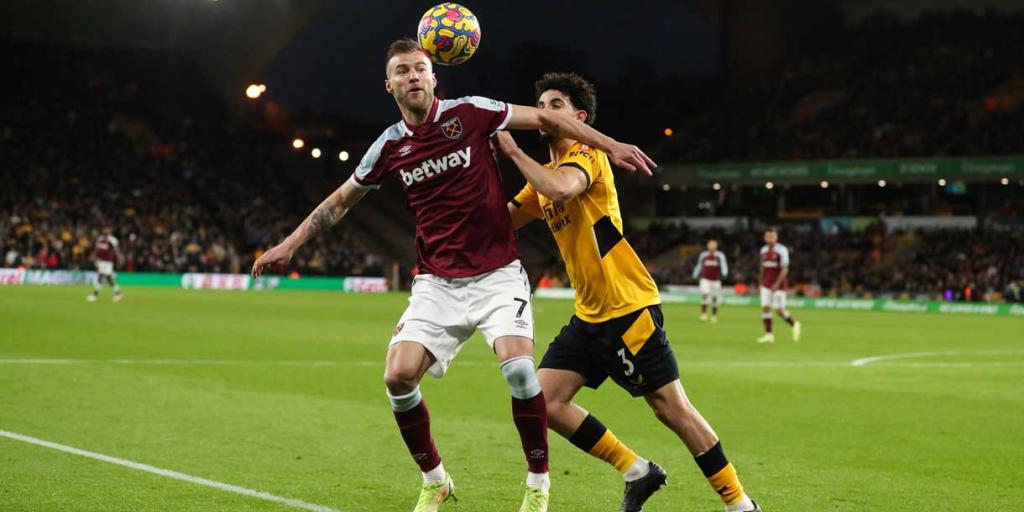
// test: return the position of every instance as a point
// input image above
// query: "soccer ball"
(450, 33)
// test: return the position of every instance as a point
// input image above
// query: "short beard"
(417, 109)
(545, 137)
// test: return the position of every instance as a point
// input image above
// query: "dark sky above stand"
(335, 63)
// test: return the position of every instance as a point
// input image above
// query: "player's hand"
(630, 158)
(278, 256)
(506, 144)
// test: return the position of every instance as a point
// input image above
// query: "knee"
(556, 407)
(672, 412)
(662, 411)
(400, 381)
(521, 377)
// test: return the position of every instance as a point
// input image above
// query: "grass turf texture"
(934, 433)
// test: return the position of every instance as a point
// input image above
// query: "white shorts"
(775, 300)
(105, 268)
(444, 313)
(709, 287)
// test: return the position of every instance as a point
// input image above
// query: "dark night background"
(336, 63)
(115, 106)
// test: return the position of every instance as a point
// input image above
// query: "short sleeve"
(783, 256)
(371, 169)
(491, 115)
(585, 159)
(700, 264)
(527, 201)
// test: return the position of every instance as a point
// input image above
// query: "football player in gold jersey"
(617, 330)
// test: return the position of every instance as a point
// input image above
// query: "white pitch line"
(196, 363)
(266, 496)
(864, 361)
(41, 361)
(761, 364)
(841, 364)
(229, 362)
(684, 363)
(218, 362)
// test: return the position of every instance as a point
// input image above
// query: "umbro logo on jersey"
(452, 128)
(430, 168)
(405, 150)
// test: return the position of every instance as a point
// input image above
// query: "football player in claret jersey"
(470, 276)
(774, 279)
(711, 268)
(106, 254)
(617, 330)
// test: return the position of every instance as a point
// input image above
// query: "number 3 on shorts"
(629, 364)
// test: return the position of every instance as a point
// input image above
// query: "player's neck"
(559, 148)
(413, 118)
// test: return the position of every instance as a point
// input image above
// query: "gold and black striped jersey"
(609, 278)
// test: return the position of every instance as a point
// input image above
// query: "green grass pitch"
(193, 381)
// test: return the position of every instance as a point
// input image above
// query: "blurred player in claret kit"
(106, 254)
(711, 268)
(470, 276)
(774, 280)
(618, 329)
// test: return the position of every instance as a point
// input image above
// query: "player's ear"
(387, 85)
(581, 115)
(433, 78)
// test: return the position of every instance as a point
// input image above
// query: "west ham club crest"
(452, 128)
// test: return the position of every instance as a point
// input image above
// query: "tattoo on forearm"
(323, 218)
(556, 130)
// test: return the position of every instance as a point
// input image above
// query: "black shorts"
(632, 349)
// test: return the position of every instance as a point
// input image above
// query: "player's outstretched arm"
(627, 156)
(327, 214)
(561, 184)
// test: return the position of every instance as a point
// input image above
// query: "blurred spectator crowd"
(113, 139)
(135, 140)
(945, 84)
(945, 264)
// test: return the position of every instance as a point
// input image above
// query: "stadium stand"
(945, 84)
(944, 264)
(133, 140)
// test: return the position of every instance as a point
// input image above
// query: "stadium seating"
(944, 84)
(132, 140)
(944, 264)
